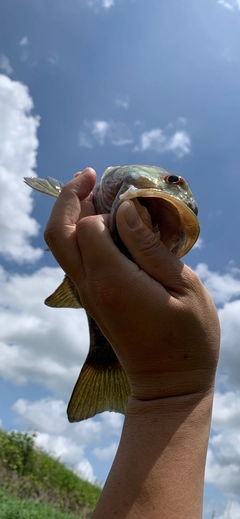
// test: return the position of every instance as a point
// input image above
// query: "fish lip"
(187, 218)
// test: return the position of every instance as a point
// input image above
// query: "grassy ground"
(30, 474)
(14, 508)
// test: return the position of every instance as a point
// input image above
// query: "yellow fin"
(66, 296)
(98, 390)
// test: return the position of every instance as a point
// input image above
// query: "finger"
(148, 252)
(60, 232)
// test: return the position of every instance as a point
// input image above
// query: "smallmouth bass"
(167, 206)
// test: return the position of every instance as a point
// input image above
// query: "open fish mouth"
(171, 219)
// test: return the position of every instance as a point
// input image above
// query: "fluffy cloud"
(232, 511)
(5, 64)
(100, 3)
(18, 146)
(223, 460)
(119, 134)
(199, 243)
(24, 46)
(230, 352)
(156, 139)
(222, 287)
(64, 441)
(231, 5)
(105, 132)
(122, 102)
(106, 453)
(38, 343)
(69, 441)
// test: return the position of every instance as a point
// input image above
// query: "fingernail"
(131, 215)
(77, 174)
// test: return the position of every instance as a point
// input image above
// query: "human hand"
(154, 310)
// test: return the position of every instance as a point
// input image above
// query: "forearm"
(158, 472)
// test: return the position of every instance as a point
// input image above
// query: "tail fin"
(102, 384)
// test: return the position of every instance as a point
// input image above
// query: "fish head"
(166, 196)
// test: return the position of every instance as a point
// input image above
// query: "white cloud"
(43, 415)
(5, 64)
(160, 141)
(231, 5)
(18, 147)
(223, 460)
(199, 243)
(53, 59)
(85, 471)
(232, 511)
(229, 361)
(105, 453)
(24, 44)
(122, 102)
(47, 417)
(222, 287)
(120, 134)
(38, 343)
(24, 41)
(182, 121)
(99, 130)
(105, 4)
(84, 141)
(105, 132)
(226, 411)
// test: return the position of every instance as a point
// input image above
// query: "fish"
(167, 206)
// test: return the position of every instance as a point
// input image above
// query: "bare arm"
(164, 328)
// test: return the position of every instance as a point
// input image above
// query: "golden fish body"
(166, 204)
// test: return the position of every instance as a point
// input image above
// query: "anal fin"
(65, 296)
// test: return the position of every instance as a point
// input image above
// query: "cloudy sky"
(114, 82)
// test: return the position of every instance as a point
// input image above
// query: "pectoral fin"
(102, 384)
(65, 296)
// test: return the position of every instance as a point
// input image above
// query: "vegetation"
(31, 481)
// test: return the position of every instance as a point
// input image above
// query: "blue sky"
(114, 82)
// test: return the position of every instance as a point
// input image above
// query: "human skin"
(164, 328)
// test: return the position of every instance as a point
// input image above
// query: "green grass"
(27, 474)
(14, 508)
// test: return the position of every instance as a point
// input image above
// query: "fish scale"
(167, 206)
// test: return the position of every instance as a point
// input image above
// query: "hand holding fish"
(153, 310)
(164, 328)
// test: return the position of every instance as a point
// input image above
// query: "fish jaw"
(175, 223)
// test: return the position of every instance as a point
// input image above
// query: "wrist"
(176, 408)
(160, 463)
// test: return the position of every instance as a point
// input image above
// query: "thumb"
(145, 247)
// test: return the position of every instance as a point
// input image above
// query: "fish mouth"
(171, 219)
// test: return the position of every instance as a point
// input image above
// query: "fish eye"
(173, 179)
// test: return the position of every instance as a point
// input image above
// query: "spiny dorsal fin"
(65, 296)
(48, 186)
(98, 390)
